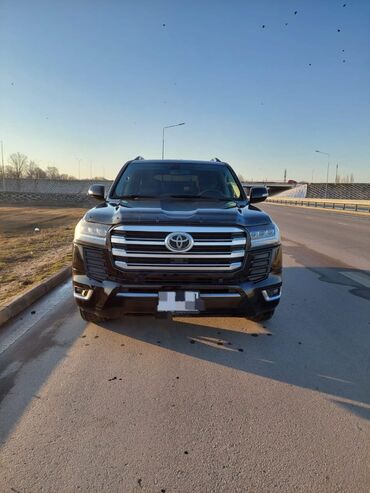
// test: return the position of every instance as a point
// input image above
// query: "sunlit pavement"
(197, 404)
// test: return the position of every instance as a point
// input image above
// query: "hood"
(169, 211)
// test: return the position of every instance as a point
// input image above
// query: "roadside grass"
(28, 256)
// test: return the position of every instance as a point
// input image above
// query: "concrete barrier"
(350, 191)
(70, 199)
(50, 186)
(354, 206)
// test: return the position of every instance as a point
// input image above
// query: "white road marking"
(25, 321)
(335, 379)
(360, 277)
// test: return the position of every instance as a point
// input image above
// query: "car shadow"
(313, 341)
(318, 339)
(39, 351)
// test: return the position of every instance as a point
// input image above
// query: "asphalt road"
(341, 236)
(202, 404)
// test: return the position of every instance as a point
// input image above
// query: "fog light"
(82, 293)
(271, 294)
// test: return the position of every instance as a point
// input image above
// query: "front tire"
(91, 317)
(262, 317)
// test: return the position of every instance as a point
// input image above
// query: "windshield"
(174, 180)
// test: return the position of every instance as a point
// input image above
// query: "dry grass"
(26, 256)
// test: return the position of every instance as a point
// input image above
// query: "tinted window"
(188, 179)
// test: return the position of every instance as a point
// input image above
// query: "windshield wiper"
(181, 196)
(136, 196)
(202, 197)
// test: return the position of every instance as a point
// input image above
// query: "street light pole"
(163, 142)
(79, 168)
(163, 129)
(3, 165)
(327, 171)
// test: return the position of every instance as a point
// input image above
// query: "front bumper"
(113, 300)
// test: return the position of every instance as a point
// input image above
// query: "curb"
(26, 299)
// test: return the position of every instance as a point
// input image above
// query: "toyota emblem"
(179, 242)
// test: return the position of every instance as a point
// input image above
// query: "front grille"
(259, 262)
(143, 248)
(95, 263)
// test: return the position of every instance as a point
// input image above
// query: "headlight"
(264, 235)
(91, 232)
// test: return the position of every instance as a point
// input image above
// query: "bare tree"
(34, 171)
(65, 176)
(39, 173)
(31, 170)
(9, 171)
(241, 177)
(20, 167)
(52, 173)
(17, 165)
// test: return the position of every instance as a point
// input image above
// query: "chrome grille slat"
(144, 248)
(187, 229)
(188, 267)
(123, 253)
(215, 242)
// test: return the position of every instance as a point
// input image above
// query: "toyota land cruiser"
(176, 237)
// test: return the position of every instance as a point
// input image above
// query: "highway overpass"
(274, 187)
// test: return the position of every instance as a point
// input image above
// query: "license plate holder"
(179, 301)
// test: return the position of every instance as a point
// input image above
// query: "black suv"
(176, 237)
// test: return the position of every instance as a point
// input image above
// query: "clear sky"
(97, 81)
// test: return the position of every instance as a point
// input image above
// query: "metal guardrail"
(344, 206)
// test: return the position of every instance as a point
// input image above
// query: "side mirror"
(258, 194)
(97, 191)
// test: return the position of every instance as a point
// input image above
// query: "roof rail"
(138, 158)
(216, 160)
